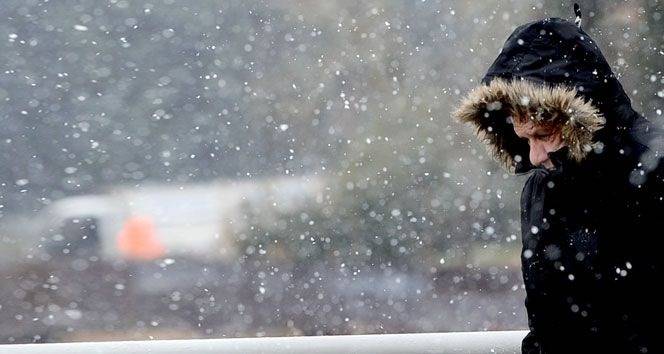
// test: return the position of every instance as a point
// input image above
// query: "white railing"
(455, 342)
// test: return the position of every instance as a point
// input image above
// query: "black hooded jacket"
(592, 227)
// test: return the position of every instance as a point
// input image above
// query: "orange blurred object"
(138, 240)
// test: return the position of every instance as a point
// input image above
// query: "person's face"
(542, 140)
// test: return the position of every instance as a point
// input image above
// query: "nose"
(538, 154)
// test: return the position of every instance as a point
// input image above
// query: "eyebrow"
(544, 131)
(537, 130)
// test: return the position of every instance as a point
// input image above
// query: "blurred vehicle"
(162, 221)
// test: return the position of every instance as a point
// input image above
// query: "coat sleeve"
(542, 233)
(532, 213)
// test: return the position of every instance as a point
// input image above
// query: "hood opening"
(490, 107)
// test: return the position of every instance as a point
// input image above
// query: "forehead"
(528, 127)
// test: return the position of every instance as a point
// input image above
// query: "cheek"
(553, 144)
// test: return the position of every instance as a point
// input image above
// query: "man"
(593, 204)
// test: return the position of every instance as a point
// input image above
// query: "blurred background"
(208, 169)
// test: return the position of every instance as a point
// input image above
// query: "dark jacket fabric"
(592, 228)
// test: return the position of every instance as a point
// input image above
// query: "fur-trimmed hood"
(551, 71)
(490, 109)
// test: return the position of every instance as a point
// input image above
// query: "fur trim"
(490, 108)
